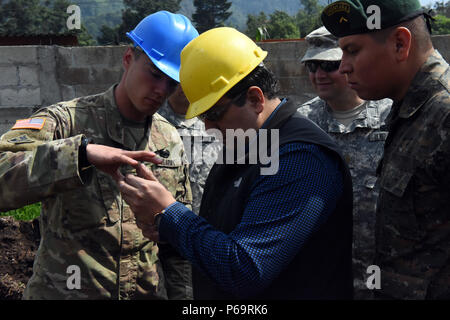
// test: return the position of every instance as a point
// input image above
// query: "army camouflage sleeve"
(440, 156)
(38, 158)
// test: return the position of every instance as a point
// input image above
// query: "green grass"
(26, 213)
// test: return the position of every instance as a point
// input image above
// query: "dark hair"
(260, 77)
(137, 52)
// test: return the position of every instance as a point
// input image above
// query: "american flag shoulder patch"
(31, 123)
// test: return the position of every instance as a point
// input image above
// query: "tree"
(134, 12)
(20, 17)
(282, 26)
(441, 13)
(84, 38)
(34, 17)
(210, 14)
(108, 35)
(442, 8)
(55, 15)
(257, 26)
(97, 13)
(308, 18)
(441, 25)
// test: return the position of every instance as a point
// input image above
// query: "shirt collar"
(424, 85)
(264, 125)
(115, 122)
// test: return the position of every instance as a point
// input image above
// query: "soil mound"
(19, 241)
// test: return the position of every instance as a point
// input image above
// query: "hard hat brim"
(162, 65)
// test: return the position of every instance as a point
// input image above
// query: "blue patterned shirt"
(282, 213)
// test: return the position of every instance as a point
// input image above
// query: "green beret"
(348, 17)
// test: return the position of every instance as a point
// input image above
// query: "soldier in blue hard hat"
(387, 52)
(91, 247)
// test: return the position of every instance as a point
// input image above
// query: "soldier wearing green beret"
(387, 52)
(358, 128)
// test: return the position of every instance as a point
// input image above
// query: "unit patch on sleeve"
(21, 139)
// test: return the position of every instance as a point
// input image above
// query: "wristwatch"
(157, 219)
(83, 161)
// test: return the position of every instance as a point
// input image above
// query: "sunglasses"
(216, 112)
(327, 66)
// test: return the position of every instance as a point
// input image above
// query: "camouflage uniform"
(361, 144)
(202, 150)
(84, 222)
(413, 227)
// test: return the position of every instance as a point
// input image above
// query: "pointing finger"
(143, 156)
(125, 160)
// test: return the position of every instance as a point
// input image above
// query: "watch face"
(158, 218)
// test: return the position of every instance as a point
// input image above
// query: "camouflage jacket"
(84, 222)
(413, 227)
(361, 143)
(201, 150)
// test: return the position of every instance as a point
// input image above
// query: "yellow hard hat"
(213, 63)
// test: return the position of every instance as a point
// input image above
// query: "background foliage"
(106, 21)
(29, 212)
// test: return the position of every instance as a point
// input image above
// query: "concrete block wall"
(87, 70)
(19, 82)
(37, 76)
(284, 60)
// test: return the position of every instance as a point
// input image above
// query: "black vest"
(322, 269)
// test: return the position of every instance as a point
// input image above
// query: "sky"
(427, 2)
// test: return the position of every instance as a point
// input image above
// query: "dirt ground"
(19, 241)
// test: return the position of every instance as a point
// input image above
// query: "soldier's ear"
(127, 58)
(401, 40)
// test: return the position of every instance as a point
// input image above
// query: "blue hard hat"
(162, 36)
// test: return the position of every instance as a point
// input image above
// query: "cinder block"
(73, 76)
(9, 115)
(21, 97)
(87, 90)
(104, 56)
(67, 92)
(442, 44)
(90, 56)
(8, 76)
(286, 68)
(284, 50)
(49, 84)
(75, 91)
(64, 57)
(18, 55)
(105, 75)
(28, 76)
(117, 54)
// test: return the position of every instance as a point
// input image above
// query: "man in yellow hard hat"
(282, 234)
